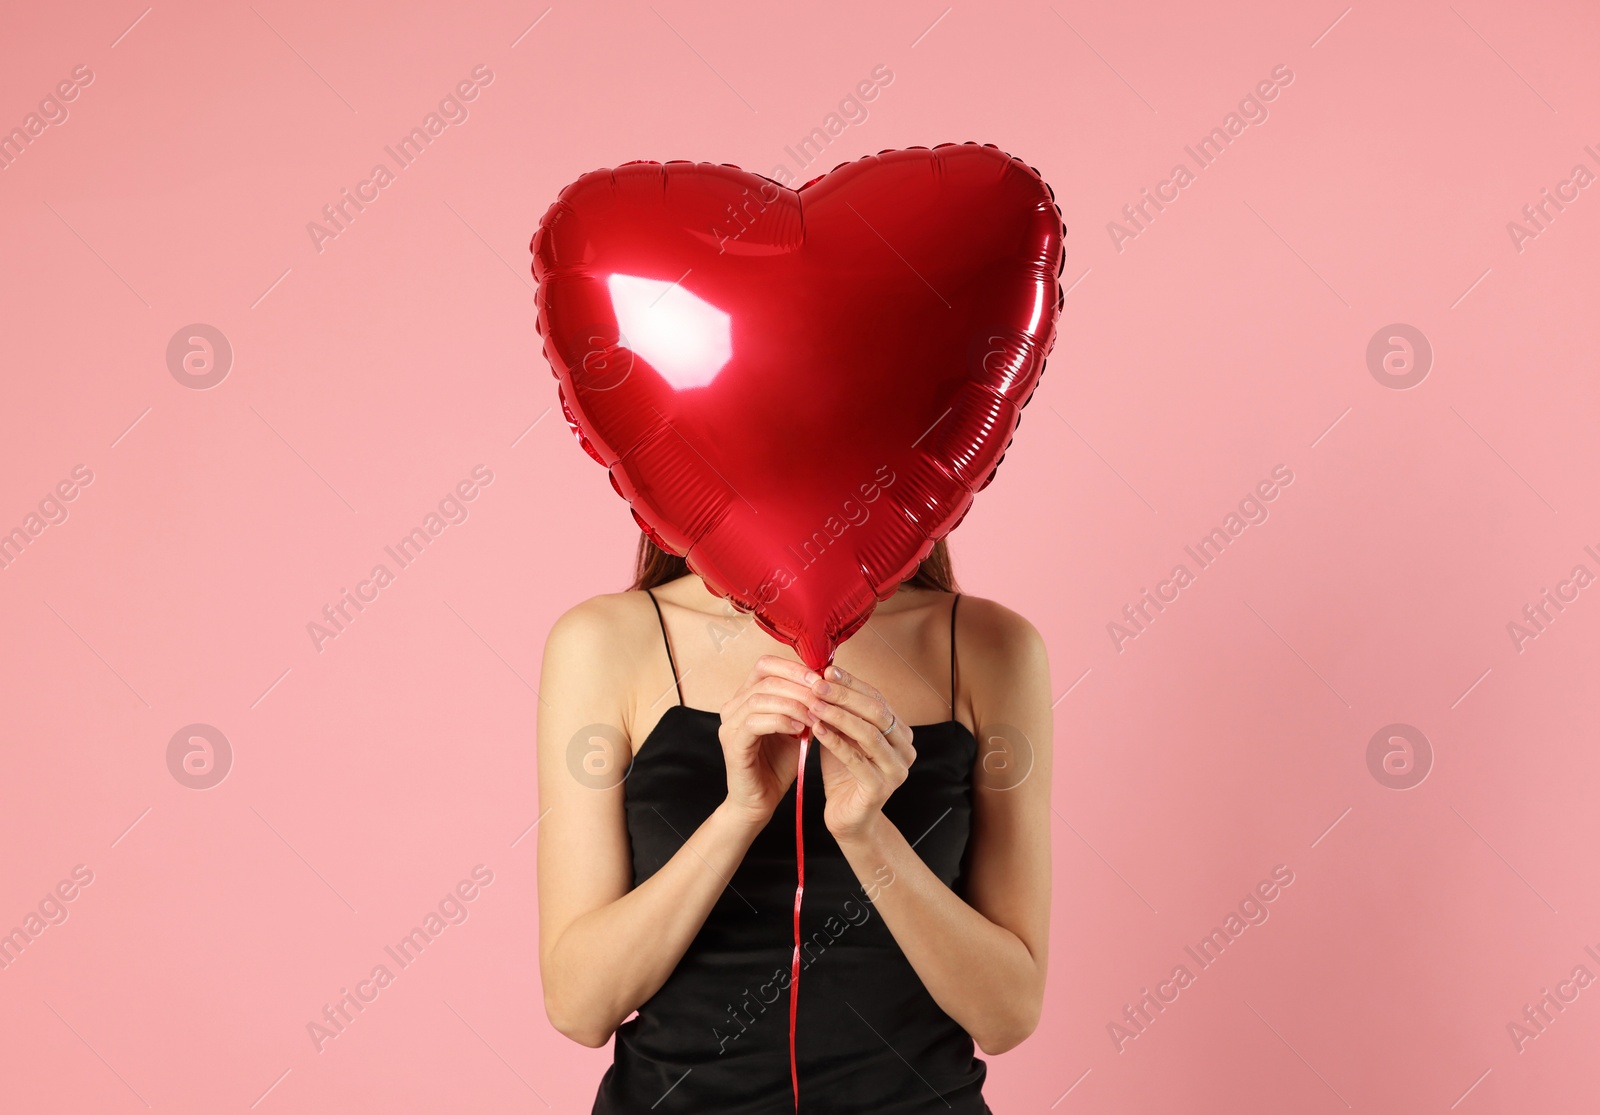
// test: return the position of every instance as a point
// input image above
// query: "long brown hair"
(654, 566)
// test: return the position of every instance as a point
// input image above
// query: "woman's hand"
(849, 718)
(760, 724)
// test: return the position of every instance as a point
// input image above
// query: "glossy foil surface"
(800, 391)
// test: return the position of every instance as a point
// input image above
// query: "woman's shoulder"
(996, 646)
(992, 624)
(602, 625)
(991, 637)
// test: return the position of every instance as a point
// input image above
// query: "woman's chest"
(679, 778)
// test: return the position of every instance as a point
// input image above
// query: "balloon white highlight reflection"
(679, 334)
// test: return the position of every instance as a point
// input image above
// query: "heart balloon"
(800, 391)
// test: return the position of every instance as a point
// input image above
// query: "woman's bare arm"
(606, 946)
(982, 958)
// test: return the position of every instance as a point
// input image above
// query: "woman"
(668, 727)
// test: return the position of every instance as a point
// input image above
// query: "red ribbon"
(799, 889)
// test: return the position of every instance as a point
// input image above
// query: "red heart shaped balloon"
(800, 391)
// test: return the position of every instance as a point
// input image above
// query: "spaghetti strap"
(671, 660)
(953, 602)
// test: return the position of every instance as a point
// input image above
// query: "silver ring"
(893, 720)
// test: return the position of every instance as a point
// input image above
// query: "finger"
(865, 701)
(767, 687)
(758, 703)
(775, 724)
(783, 687)
(770, 665)
(871, 709)
(769, 669)
(844, 677)
(743, 725)
(877, 750)
(845, 750)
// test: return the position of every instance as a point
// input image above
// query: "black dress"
(869, 1037)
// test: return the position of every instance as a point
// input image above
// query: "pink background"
(368, 378)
